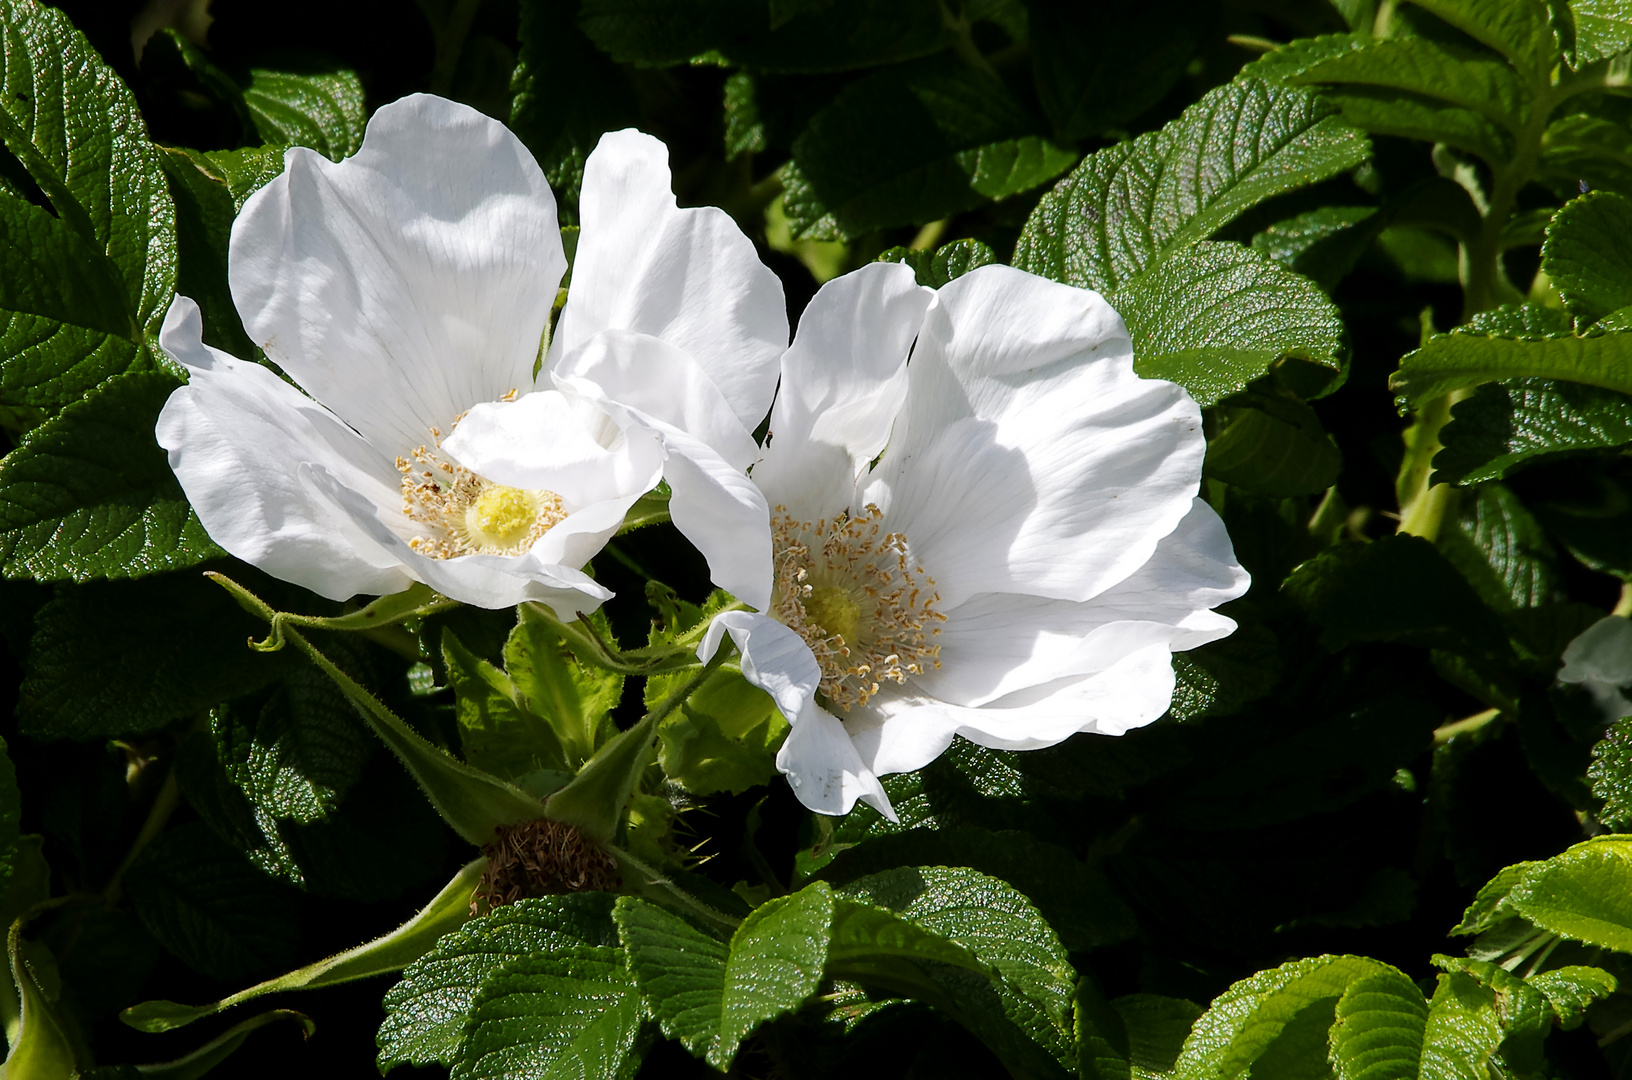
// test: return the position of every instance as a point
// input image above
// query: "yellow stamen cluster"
(855, 596)
(466, 514)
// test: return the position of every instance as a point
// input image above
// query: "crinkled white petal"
(843, 381)
(409, 282)
(660, 381)
(687, 276)
(901, 732)
(995, 644)
(1028, 456)
(820, 761)
(712, 502)
(237, 436)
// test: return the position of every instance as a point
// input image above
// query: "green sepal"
(39, 1048)
(472, 801)
(218, 1049)
(446, 912)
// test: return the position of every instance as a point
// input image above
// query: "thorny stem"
(164, 804)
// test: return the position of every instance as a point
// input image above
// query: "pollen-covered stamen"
(855, 596)
(466, 514)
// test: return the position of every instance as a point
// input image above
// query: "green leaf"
(1216, 316)
(1222, 676)
(1505, 425)
(680, 972)
(77, 131)
(1502, 551)
(1584, 894)
(575, 699)
(11, 812)
(1468, 78)
(1465, 357)
(1075, 899)
(1156, 1029)
(1592, 144)
(1570, 989)
(566, 96)
(119, 658)
(1279, 1016)
(207, 905)
(1586, 255)
(244, 171)
(1463, 1029)
(322, 110)
(297, 753)
(1518, 29)
(204, 216)
(936, 268)
(1611, 775)
(998, 925)
(1395, 589)
(777, 958)
(571, 1012)
(90, 493)
(880, 950)
(1603, 28)
(907, 145)
(724, 736)
(496, 733)
(711, 995)
(390, 952)
(1324, 243)
(426, 1011)
(1381, 1020)
(1151, 41)
(1274, 446)
(1128, 207)
(1522, 1015)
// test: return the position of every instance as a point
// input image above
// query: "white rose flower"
(1000, 539)
(400, 289)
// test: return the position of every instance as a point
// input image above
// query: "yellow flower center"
(855, 596)
(466, 514)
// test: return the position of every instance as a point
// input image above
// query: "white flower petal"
(237, 436)
(843, 381)
(409, 282)
(662, 382)
(546, 440)
(998, 643)
(490, 581)
(712, 502)
(818, 757)
(687, 276)
(1029, 457)
(1131, 693)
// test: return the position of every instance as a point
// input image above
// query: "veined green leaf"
(245, 171)
(1467, 78)
(1570, 989)
(1585, 255)
(77, 131)
(90, 494)
(679, 969)
(1603, 28)
(322, 110)
(1152, 42)
(724, 737)
(1274, 446)
(426, 1012)
(1518, 29)
(1504, 425)
(1611, 775)
(1584, 894)
(1279, 1015)
(1502, 551)
(1463, 1028)
(1380, 1025)
(1129, 206)
(496, 733)
(571, 1012)
(1464, 358)
(1324, 243)
(1586, 145)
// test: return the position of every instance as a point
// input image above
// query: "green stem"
(1446, 732)
(158, 816)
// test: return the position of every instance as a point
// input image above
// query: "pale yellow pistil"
(465, 514)
(853, 594)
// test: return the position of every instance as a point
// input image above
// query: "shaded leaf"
(1504, 425)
